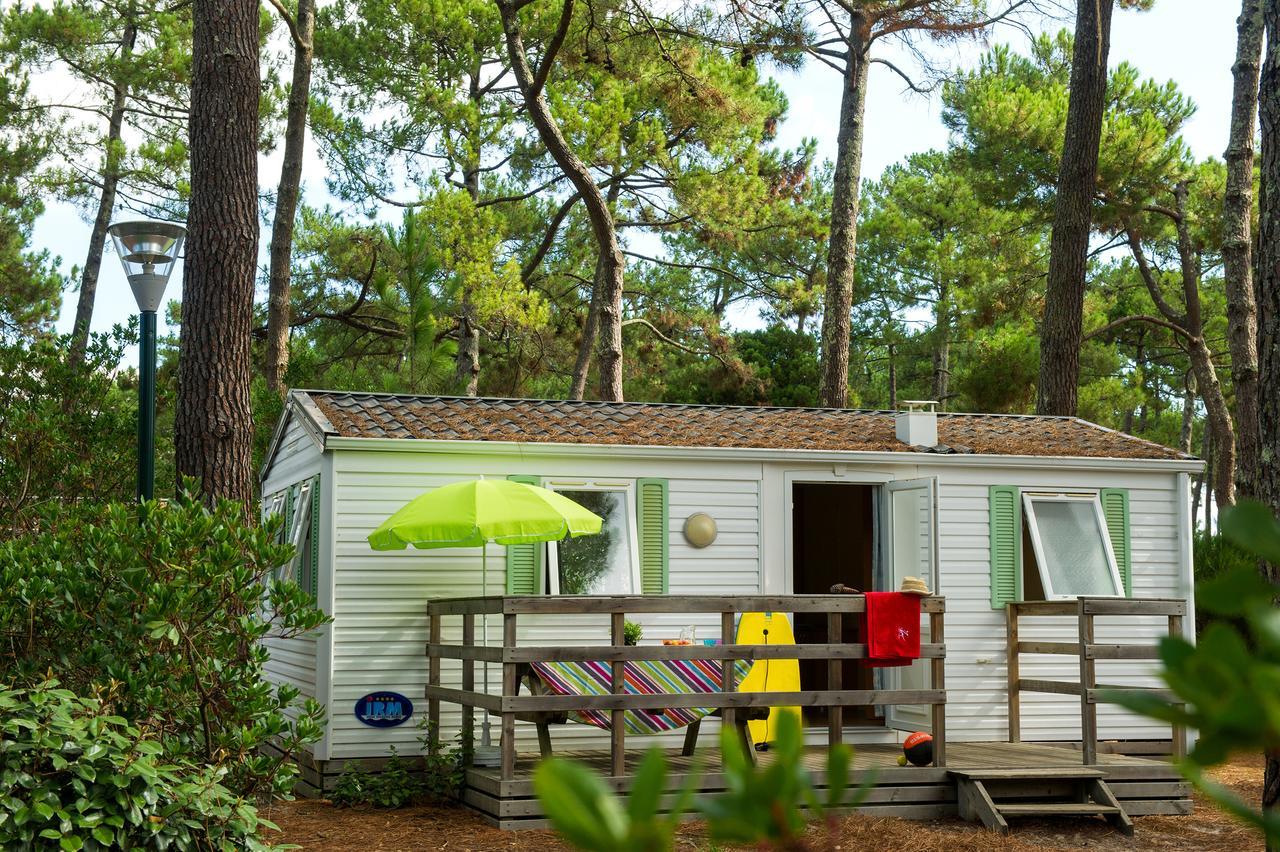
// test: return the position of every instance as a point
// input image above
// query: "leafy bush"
(767, 805)
(165, 606)
(393, 787)
(77, 777)
(1227, 686)
(1213, 556)
(67, 433)
(444, 771)
(439, 775)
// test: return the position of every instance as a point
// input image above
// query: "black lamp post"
(148, 251)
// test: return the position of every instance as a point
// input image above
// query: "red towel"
(892, 629)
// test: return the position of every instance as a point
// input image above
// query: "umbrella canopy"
(472, 513)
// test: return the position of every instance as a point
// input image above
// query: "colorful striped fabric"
(647, 677)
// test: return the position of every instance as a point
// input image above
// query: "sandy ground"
(315, 825)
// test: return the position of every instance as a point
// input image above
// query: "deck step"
(1039, 773)
(1055, 809)
(976, 802)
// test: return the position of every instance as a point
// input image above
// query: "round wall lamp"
(700, 529)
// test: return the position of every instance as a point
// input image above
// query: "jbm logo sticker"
(384, 709)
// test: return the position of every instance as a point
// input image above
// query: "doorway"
(833, 541)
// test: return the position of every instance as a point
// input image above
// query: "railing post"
(938, 667)
(468, 680)
(1015, 699)
(1179, 733)
(1088, 682)
(618, 718)
(835, 681)
(728, 674)
(509, 687)
(433, 679)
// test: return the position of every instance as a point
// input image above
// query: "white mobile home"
(988, 509)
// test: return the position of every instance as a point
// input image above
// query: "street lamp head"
(148, 251)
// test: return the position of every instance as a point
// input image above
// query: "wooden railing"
(511, 656)
(1085, 610)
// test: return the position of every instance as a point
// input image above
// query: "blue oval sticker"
(384, 709)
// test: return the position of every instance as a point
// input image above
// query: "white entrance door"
(910, 536)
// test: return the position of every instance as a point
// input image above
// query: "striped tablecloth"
(646, 677)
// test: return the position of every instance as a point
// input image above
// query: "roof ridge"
(694, 405)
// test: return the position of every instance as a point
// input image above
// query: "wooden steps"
(993, 795)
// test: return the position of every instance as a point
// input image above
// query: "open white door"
(910, 537)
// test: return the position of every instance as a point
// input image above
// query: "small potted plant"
(632, 633)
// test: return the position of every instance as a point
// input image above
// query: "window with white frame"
(603, 564)
(1073, 554)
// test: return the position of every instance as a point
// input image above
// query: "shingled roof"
(367, 415)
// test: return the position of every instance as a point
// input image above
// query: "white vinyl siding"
(298, 459)
(380, 624)
(976, 677)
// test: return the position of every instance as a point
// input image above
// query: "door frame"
(791, 478)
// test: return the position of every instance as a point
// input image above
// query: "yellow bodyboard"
(769, 628)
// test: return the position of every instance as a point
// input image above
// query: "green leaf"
(1253, 526)
(579, 805)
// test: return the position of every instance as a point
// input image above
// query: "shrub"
(77, 777)
(67, 433)
(394, 787)
(444, 771)
(166, 606)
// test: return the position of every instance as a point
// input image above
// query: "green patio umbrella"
(479, 511)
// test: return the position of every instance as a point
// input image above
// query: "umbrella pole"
(484, 626)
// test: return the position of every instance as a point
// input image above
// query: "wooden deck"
(1143, 785)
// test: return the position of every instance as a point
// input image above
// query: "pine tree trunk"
(214, 421)
(467, 359)
(287, 193)
(942, 348)
(833, 391)
(893, 379)
(1060, 335)
(602, 224)
(106, 204)
(1188, 415)
(587, 343)
(1268, 482)
(1237, 242)
(1218, 415)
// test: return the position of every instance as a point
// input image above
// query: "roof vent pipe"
(918, 424)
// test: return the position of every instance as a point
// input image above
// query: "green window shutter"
(1006, 545)
(651, 515)
(313, 581)
(524, 561)
(1115, 509)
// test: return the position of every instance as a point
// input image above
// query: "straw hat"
(914, 586)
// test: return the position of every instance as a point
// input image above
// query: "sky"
(1188, 41)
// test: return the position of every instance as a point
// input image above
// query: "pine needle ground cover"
(318, 825)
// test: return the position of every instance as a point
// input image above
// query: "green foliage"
(166, 605)
(1227, 685)
(444, 771)
(68, 436)
(141, 51)
(632, 633)
(768, 805)
(439, 775)
(78, 776)
(394, 786)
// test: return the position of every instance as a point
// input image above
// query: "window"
(300, 527)
(604, 564)
(1072, 547)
